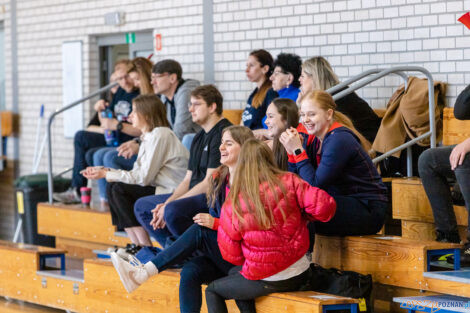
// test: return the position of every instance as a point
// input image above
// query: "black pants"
(235, 286)
(121, 199)
(435, 171)
(354, 217)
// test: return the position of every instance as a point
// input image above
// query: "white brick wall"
(354, 35)
(44, 25)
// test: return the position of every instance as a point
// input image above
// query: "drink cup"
(85, 196)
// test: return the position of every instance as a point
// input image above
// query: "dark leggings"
(235, 286)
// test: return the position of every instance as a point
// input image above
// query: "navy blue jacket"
(345, 169)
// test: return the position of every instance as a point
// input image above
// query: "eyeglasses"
(276, 73)
(155, 76)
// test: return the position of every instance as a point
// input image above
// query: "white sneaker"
(70, 196)
(131, 276)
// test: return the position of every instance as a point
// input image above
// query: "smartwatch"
(119, 126)
(298, 152)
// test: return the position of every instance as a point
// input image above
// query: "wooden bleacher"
(78, 230)
(399, 265)
(98, 288)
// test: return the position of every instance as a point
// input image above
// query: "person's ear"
(173, 78)
(330, 114)
(265, 69)
(290, 79)
(213, 108)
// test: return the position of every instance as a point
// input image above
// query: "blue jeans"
(178, 214)
(435, 172)
(108, 157)
(199, 270)
(188, 140)
(142, 211)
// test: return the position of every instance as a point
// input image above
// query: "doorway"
(113, 48)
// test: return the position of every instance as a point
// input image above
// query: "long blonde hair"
(255, 166)
(239, 134)
(321, 72)
(325, 101)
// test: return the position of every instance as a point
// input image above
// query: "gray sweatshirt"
(183, 123)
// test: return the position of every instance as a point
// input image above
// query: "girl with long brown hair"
(263, 229)
(201, 236)
(140, 73)
(159, 168)
(258, 70)
(333, 156)
(281, 114)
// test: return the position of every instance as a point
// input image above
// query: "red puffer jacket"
(264, 253)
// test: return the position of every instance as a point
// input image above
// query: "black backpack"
(341, 283)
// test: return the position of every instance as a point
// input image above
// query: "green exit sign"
(130, 37)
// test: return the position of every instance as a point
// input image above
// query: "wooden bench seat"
(411, 205)
(77, 229)
(101, 290)
(391, 260)
(454, 131)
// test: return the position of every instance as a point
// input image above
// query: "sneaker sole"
(128, 284)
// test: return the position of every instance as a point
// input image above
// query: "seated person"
(86, 140)
(112, 157)
(285, 81)
(439, 165)
(159, 168)
(168, 82)
(258, 70)
(177, 210)
(201, 236)
(317, 74)
(333, 156)
(285, 77)
(269, 238)
(281, 114)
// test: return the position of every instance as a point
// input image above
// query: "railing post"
(50, 178)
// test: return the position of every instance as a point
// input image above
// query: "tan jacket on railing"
(408, 114)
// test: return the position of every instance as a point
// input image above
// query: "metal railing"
(50, 178)
(377, 74)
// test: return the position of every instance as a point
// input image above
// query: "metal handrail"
(380, 74)
(50, 182)
(354, 79)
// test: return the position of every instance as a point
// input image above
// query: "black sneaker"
(464, 257)
(452, 237)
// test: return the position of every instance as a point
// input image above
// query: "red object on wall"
(158, 42)
(465, 19)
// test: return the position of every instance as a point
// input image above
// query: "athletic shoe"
(70, 196)
(132, 276)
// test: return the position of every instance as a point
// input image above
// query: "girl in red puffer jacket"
(263, 228)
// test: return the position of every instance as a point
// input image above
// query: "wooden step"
(100, 289)
(15, 306)
(454, 131)
(391, 260)
(424, 230)
(382, 297)
(79, 230)
(160, 294)
(411, 205)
